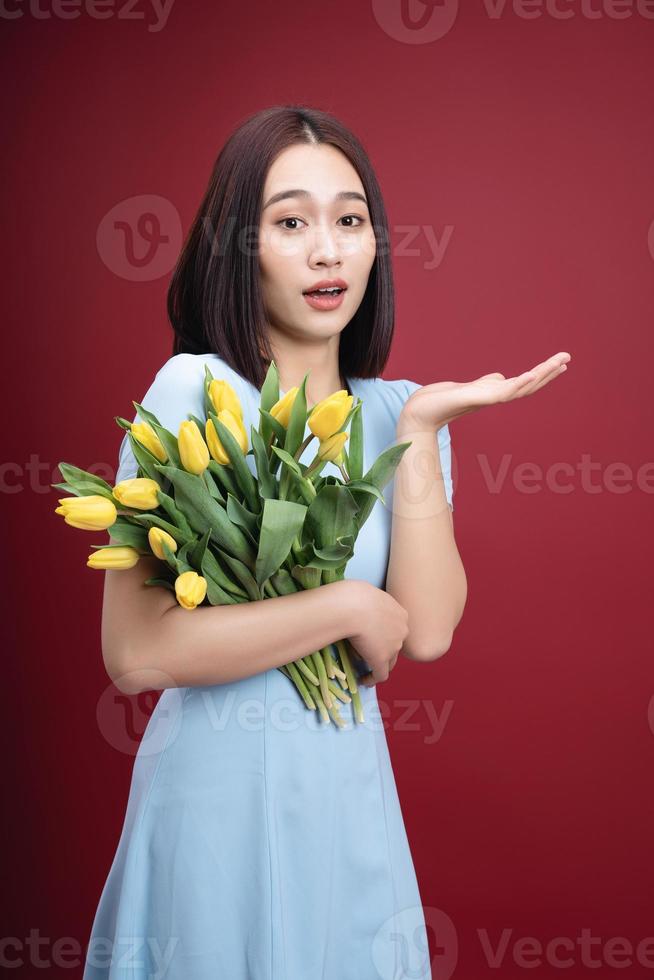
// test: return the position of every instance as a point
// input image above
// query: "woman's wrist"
(408, 425)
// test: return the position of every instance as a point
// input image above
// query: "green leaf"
(298, 420)
(274, 424)
(202, 512)
(282, 520)
(124, 532)
(212, 567)
(224, 477)
(267, 482)
(81, 483)
(242, 472)
(269, 397)
(366, 488)
(354, 454)
(172, 560)
(146, 461)
(379, 474)
(240, 515)
(309, 578)
(176, 515)
(243, 574)
(167, 439)
(83, 489)
(197, 549)
(283, 582)
(331, 515)
(288, 460)
(153, 520)
(213, 487)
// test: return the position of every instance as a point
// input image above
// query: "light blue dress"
(260, 843)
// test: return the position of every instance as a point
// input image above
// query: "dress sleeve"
(175, 392)
(444, 447)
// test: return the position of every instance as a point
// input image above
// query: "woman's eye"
(349, 217)
(346, 218)
(284, 220)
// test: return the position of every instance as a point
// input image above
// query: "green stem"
(302, 447)
(322, 674)
(296, 676)
(351, 679)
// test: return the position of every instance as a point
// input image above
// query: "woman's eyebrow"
(298, 192)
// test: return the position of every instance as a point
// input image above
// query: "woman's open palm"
(442, 402)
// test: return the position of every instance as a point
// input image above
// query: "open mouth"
(331, 291)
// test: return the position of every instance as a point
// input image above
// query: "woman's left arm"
(425, 572)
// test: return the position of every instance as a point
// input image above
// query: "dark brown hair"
(215, 303)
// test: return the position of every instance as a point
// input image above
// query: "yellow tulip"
(119, 558)
(328, 415)
(193, 450)
(223, 396)
(156, 537)
(91, 513)
(146, 435)
(190, 589)
(330, 449)
(281, 410)
(139, 493)
(235, 426)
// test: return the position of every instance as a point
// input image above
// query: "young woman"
(259, 843)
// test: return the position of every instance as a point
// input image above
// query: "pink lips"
(326, 284)
(325, 301)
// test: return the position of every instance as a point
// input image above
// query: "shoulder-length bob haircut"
(214, 298)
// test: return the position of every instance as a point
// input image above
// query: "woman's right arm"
(150, 642)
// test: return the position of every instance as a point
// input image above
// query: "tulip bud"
(330, 449)
(237, 429)
(328, 415)
(156, 538)
(146, 435)
(223, 396)
(121, 557)
(281, 410)
(190, 589)
(193, 451)
(139, 493)
(91, 513)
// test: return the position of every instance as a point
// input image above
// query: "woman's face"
(320, 231)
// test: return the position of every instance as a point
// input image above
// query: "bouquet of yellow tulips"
(234, 519)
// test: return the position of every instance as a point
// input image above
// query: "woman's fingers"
(377, 676)
(538, 376)
(545, 378)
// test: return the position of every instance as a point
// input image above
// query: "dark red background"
(531, 139)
